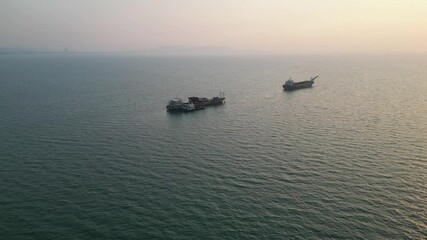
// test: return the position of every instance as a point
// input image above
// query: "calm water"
(87, 150)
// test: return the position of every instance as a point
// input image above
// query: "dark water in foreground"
(88, 151)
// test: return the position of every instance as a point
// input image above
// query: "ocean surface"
(88, 151)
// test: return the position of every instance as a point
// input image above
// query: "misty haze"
(192, 119)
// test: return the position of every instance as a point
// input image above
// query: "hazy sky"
(257, 26)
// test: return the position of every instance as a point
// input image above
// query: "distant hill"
(16, 50)
(164, 50)
(181, 50)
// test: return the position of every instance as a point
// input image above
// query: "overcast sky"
(251, 26)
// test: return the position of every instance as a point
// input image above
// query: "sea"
(88, 150)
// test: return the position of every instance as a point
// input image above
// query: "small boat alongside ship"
(290, 85)
(194, 103)
(175, 104)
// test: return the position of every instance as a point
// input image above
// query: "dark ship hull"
(173, 109)
(298, 85)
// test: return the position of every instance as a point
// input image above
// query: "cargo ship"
(290, 85)
(194, 103)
